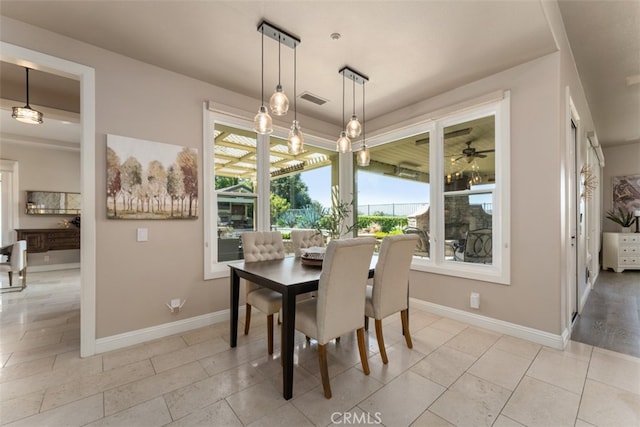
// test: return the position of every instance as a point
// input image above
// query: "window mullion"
(263, 181)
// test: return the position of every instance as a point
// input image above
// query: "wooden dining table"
(290, 277)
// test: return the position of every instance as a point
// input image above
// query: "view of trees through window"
(392, 193)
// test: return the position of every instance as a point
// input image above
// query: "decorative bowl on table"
(313, 256)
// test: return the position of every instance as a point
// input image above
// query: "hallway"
(611, 317)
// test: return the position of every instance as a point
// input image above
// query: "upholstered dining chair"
(339, 307)
(262, 246)
(304, 238)
(389, 292)
(17, 263)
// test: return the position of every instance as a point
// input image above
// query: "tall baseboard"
(53, 267)
(139, 336)
(540, 337)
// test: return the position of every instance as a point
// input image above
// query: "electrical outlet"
(46, 258)
(474, 300)
(175, 303)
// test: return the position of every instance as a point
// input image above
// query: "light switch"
(143, 234)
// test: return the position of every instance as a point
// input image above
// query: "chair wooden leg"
(324, 370)
(24, 277)
(404, 315)
(247, 320)
(270, 333)
(363, 351)
(383, 351)
(10, 278)
(366, 323)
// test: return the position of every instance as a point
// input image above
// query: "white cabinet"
(621, 251)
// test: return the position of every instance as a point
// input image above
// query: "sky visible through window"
(374, 188)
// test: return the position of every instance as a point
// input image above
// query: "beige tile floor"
(456, 375)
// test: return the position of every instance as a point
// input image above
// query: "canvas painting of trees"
(151, 180)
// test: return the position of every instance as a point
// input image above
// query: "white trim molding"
(534, 335)
(139, 336)
(86, 76)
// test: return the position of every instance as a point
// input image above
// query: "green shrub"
(387, 223)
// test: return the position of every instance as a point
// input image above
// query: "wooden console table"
(50, 239)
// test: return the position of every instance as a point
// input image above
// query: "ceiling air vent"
(308, 96)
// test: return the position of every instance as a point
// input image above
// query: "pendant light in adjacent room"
(27, 114)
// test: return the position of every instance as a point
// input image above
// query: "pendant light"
(27, 114)
(295, 144)
(354, 129)
(279, 103)
(363, 155)
(262, 123)
(343, 145)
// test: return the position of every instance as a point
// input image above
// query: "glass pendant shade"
(295, 143)
(262, 122)
(279, 103)
(363, 156)
(27, 115)
(354, 129)
(343, 145)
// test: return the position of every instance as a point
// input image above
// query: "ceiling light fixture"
(363, 155)
(343, 144)
(295, 143)
(279, 103)
(354, 129)
(27, 114)
(262, 122)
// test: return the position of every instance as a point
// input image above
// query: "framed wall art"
(151, 180)
(626, 192)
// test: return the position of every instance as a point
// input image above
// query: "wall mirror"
(53, 203)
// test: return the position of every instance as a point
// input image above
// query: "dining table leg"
(288, 334)
(235, 300)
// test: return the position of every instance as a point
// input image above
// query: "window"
(445, 180)
(297, 196)
(393, 191)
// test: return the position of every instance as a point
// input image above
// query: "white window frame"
(210, 116)
(497, 104)
(222, 114)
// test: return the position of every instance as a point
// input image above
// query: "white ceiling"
(410, 50)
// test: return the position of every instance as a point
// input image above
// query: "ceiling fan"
(470, 153)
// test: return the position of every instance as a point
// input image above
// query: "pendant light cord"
(354, 96)
(364, 144)
(295, 74)
(27, 87)
(279, 46)
(343, 102)
(262, 66)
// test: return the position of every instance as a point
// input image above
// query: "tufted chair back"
(305, 238)
(262, 245)
(391, 278)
